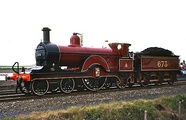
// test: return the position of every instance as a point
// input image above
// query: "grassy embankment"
(159, 109)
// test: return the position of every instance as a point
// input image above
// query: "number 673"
(162, 64)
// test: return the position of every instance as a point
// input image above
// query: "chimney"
(46, 35)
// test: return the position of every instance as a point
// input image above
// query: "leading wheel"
(94, 84)
(67, 85)
(40, 87)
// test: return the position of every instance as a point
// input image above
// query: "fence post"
(179, 108)
(145, 115)
(140, 116)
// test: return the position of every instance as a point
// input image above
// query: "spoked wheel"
(120, 85)
(108, 83)
(67, 85)
(160, 80)
(172, 79)
(145, 81)
(129, 82)
(40, 87)
(94, 84)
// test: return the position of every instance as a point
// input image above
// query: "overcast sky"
(142, 23)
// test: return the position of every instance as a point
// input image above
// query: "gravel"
(7, 83)
(12, 109)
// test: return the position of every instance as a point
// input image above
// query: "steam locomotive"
(74, 67)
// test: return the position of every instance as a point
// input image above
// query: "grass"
(163, 108)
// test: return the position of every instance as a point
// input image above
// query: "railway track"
(11, 95)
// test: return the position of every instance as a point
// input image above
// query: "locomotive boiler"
(74, 56)
(74, 67)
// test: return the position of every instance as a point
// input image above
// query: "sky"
(142, 23)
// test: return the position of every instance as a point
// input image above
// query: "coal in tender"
(157, 51)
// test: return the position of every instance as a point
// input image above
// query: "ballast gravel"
(13, 109)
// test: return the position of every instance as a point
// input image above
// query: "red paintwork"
(126, 65)
(74, 40)
(74, 57)
(25, 77)
(124, 50)
(151, 63)
(95, 60)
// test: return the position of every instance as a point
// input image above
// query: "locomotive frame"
(91, 68)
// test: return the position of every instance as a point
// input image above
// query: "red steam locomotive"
(73, 67)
